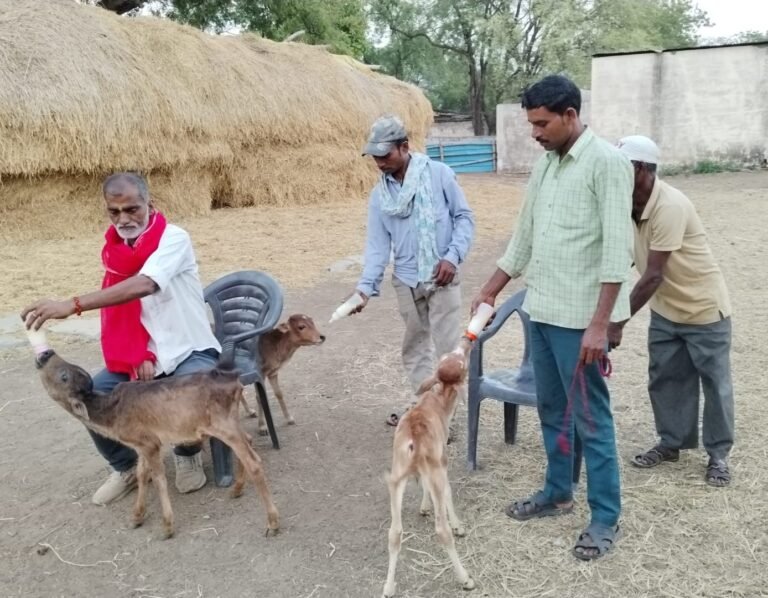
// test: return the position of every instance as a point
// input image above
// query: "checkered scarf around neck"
(415, 197)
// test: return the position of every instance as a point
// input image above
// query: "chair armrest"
(229, 344)
(238, 338)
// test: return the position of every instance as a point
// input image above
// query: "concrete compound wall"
(451, 130)
(700, 104)
(697, 104)
(516, 150)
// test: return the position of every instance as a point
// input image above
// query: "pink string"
(606, 369)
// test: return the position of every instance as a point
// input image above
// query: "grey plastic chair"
(245, 305)
(513, 387)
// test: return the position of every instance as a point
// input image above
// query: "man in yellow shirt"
(689, 338)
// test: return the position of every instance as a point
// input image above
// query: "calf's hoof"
(137, 520)
(291, 421)
(459, 531)
(468, 585)
(263, 431)
(273, 523)
(389, 591)
(252, 413)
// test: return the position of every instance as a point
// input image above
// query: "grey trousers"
(432, 323)
(683, 357)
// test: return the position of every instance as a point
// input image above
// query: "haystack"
(213, 121)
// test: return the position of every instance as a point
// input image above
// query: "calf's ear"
(79, 409)
(426, 385)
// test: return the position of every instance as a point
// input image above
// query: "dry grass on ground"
(682, 539)
(295, 244)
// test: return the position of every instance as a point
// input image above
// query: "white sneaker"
(118, 484)
(189, 473)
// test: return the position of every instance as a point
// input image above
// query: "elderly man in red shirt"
(153, 318)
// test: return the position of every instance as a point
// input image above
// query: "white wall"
(516, 150)
(707, 103)
(623, 90)
(451, 130)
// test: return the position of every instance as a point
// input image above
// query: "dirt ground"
(681, 538)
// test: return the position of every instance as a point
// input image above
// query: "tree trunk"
(488, 103)
(476, 89)
(490, 120)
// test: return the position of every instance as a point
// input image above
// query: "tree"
(439, 74)
(503, 45)
(339, 24)
(745, 37)
(465, 29)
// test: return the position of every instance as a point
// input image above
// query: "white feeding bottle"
(479, 320)
(347, 307)
(38, 341)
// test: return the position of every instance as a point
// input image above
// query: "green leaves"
(340, 24)
(491, 49)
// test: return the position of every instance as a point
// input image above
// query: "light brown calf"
(419, 450)
(147, 415)
(276, 348)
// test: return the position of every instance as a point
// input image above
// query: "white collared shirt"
(175, 315)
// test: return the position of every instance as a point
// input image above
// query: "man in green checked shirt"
(574, 244)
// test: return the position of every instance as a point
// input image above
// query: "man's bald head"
(123, 184)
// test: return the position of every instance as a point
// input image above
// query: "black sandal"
(596, 537)
(656, 456)
(534, 507)
(718, 474)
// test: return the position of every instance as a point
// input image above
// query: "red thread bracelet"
(78, 307)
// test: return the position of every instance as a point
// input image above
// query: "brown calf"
(276, 348)
(420, 451)
(147, 415)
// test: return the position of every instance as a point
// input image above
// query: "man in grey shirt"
(418, 213)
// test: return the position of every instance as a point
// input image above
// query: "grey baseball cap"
(384, 132)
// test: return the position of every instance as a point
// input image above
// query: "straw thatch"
(213, 121)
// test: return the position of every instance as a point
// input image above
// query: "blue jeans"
(121, 457)
(555, 355)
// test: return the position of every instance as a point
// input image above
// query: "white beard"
(133, 233)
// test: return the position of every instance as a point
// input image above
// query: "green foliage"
(745, 37)
(439, 74)
(497, 47)
(714, 166)
(705, 167)
(340, 24)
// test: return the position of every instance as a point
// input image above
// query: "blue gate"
(466, 155)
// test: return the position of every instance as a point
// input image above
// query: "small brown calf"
(276, 348)
(147, 415)
(419, 451)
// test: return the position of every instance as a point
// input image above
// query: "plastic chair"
(245, 305)
(513, 387)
